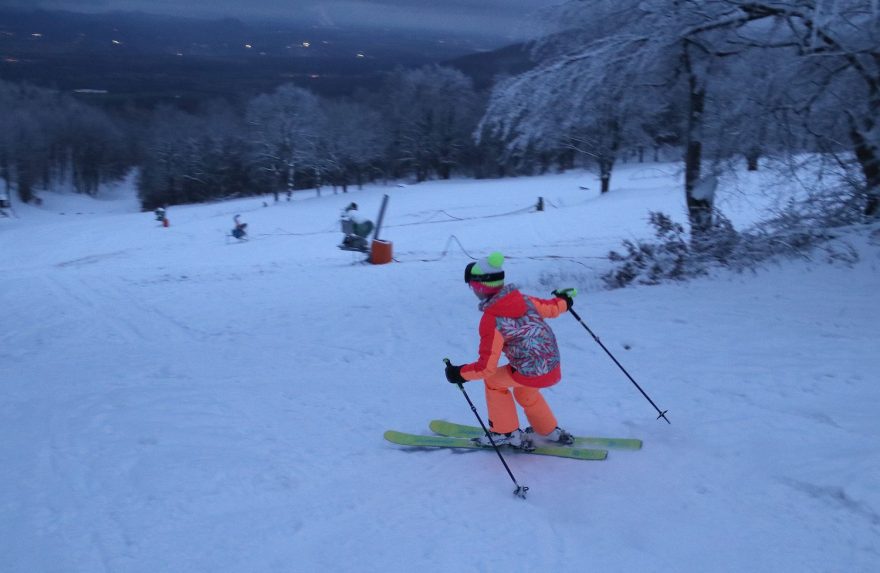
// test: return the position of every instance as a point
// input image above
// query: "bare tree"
(432, 112)
(837, 85)
(352, 139)
(612, 66)
(47, 138)
(284, 133)
(573, 102)
(195, 157)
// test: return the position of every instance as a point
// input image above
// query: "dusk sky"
(512, 18)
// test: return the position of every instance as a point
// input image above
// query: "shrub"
(797, 231)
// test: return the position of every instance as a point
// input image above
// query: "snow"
(176, 400)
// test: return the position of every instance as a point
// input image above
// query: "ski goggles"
(483, 278)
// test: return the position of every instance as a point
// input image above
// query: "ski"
(417, 441)
(450, 429)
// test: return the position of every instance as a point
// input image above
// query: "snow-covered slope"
(174, 400)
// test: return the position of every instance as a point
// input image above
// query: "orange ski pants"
(502, 410)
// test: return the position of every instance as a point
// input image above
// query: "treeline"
(714, 83)
(418, 125)
(48, 138)
(721, 80)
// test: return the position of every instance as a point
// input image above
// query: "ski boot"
(557, 436)
(515, 439)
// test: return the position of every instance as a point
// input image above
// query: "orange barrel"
(380, 252)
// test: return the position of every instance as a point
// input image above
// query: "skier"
(239, 231)
(514, 324)
(161, 216)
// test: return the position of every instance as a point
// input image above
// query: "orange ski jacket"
(513, 324)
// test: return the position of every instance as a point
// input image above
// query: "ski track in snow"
(175, 402)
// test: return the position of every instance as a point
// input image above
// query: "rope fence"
(431, 219)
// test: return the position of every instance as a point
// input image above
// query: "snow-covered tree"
(836, 87)
(432, 112)
(192, 158)
(579, 98)
(97, 147)
(612, 66)
(746, 114)
(284, 127)
(352, 139)
(169, 171)
(48, 138)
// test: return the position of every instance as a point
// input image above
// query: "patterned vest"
(529, 344)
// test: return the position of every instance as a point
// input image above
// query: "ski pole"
(520, 490)
(596, 338)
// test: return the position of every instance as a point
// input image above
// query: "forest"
(710, 82)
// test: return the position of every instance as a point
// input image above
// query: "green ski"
(417, 441)
(450, 429)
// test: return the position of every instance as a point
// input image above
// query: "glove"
(566, 294)
(453, 374)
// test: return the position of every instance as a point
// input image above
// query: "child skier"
(514, 324)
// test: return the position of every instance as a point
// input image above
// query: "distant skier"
(514, 324)
(161, 216)
(240, 229)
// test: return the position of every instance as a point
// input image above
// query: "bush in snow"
(801, 229)
(646, 262)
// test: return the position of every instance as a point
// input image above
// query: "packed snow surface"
(176, 400)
